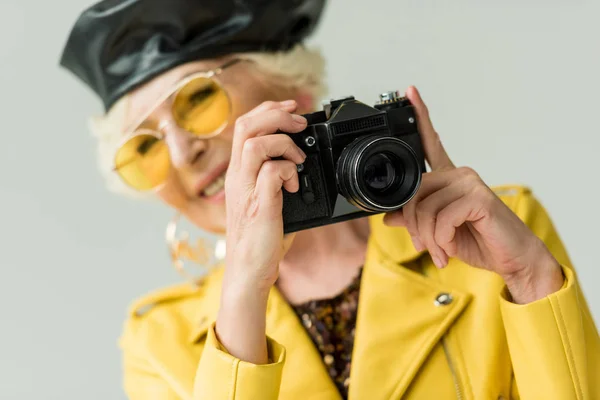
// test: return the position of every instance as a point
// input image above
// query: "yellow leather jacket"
(421, 333)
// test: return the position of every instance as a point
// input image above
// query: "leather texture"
(477, 345)
(117, 45)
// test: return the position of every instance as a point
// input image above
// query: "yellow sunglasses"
(199, 104)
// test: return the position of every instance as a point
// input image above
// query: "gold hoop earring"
(199, 252)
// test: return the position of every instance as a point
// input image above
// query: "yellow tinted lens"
(201, 107)
(143, 162)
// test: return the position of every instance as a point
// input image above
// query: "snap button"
(443, 299)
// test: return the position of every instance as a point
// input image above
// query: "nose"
(185, 148)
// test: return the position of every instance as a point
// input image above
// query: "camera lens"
(378, 173)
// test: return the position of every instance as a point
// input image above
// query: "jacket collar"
(402, 316)
(398, 322)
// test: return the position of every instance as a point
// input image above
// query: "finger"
(288, 105)
(435, 153)
(257, 150)
(395, 218)
(427, 213)
(274, 175)
(469, 208)
(431, 182)
(261, 124)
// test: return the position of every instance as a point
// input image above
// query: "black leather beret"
(117, 45)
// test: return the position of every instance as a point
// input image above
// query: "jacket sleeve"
(141, 382)
(553, 342)
(221, 376)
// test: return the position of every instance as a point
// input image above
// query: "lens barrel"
(378, 173)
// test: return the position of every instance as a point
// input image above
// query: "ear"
(305, 102)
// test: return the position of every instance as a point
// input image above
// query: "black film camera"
(361, 160)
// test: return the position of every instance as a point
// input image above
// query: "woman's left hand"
(455, 214)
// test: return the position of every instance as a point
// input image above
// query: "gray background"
(512, 88)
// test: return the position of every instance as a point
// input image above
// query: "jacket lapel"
(398, 321)
(398, 324)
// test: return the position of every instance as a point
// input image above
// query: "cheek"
(226, 137)
(208, 217)
(173, 194)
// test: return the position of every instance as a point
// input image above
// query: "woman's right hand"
(255, 240)
(253, 191)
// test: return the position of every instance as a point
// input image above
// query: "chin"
(209, 217)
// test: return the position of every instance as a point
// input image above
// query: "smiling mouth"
(215, 187)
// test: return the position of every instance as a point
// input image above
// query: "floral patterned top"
(331, 323)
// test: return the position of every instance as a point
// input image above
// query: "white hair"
(300, 68)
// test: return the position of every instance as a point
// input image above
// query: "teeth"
(214, 187)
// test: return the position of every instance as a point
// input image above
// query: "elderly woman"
(466, 292)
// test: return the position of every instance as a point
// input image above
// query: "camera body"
(361, 160)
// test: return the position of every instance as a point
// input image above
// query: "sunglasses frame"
(136, 131)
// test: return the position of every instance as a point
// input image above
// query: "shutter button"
(443, 299)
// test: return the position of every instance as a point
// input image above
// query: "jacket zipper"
(459, 395)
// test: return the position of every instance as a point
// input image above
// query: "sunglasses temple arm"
(228, 64)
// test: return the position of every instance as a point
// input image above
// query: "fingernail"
(437, 262)
(417, 243)
(287, 103)
(443, 260)
(299, 119)
(302, 153)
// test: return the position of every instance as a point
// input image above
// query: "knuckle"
(285, 140)
(482, 193)
(241, 124)
(279, 114)
(268, 104)
(292, 148)
(253, 146)
(270, 168)
(468, 172)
